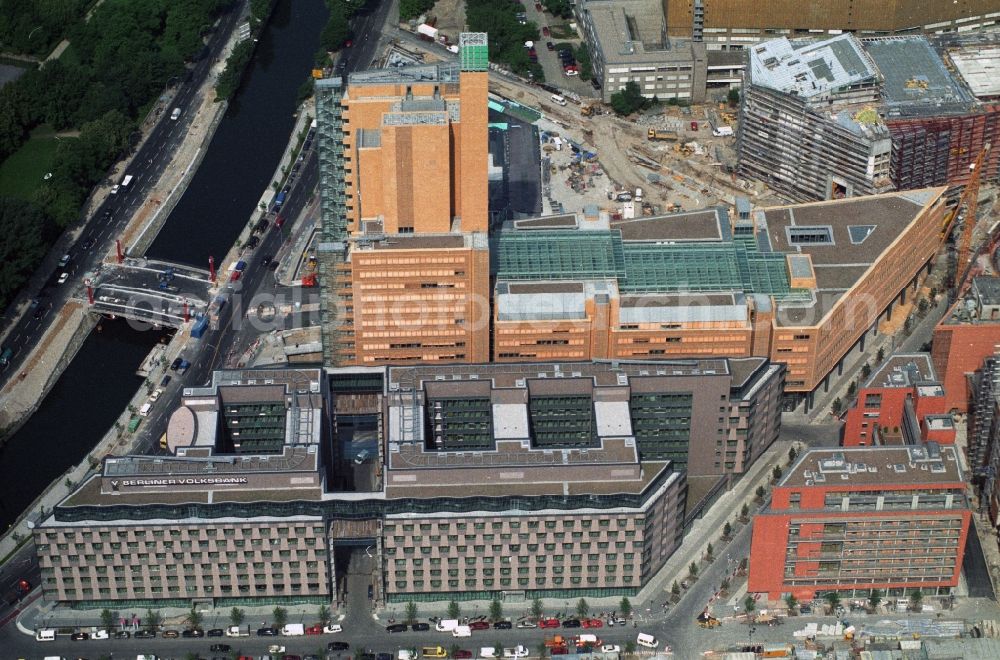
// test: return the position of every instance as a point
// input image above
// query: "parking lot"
(548, 59)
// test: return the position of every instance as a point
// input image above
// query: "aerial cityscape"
(403, 329)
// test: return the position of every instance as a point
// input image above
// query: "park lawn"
(563, 31)
(22, 172)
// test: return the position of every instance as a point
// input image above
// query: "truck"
(660, 134)
(199, 327)
(446, 625)
(427, 32)
(236, 631)
(434, 652)
(557, 641)
(279, 199)
(184, 365)
(127, 180)
(293, 629)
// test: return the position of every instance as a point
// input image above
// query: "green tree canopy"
(628, 100)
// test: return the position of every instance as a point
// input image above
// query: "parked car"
(592, 623)
(461, 654)
(421, 627)
(571, 623)
(171, 634)
(550, 45)
(331, 628)
(221, 648)
(124, 634)
(144, 634)
(314, 630)
(479, 625)
(267, 632)
(100, 634)
(79, 636)
(337, 646)
(545, 31)
(163, 383)
(548, 623)
(395, 628)
(558, 650)
(193, 633)
(526, 624)
(63, 278)
(538, 6)
(503, 625)
(176, 363)
(611, 648)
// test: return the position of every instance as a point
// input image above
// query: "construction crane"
(969, 201)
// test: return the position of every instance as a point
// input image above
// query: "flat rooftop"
(706, 225)
(904, 370)
(446, 72)
(810, 68)
(413, 242)
(631, 31)
(915, 79)
(979, 67)
(876, 467)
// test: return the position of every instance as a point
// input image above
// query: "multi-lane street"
(99, 230)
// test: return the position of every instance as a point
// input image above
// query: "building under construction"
(842, 117)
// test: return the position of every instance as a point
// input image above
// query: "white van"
(648, 641)
(144, 411)
(487, 652)
(446, 625)
(45, 635)
(558, 99)
(127, 180)
(176, 114)
(461, 631)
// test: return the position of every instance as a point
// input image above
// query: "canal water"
(234, 172)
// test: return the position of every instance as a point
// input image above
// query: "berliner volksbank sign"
(190, 481)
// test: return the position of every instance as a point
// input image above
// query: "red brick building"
(966, 336)
(853, 520)
(901, 404)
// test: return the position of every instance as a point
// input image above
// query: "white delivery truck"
(446, 625)
(236, 631)
(461, 631)
(293, 630)
(722, 131)
(45, 635)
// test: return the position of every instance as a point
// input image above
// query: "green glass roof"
(560, 255)
(642, 267)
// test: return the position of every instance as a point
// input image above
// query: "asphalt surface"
(110, 218)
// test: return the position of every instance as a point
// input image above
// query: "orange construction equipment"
(964, 262)
(309, 281)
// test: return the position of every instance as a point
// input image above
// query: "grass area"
(22, 172)
(562, 31)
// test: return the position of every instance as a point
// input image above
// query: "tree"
(558, 8)
(543, 650)
(852, 389)
(760, 493)
(880, 355)
(749, 605)
(776, 472)
(744, 512)
(411, 612)
(582, 608)
(236, 616)
(536, 608)
(625, 606)
(413, 8)
(791, 602)
(194, 617)
(153, 619)
(323, 615)
(22, 244)
(107, 619)
(836, 406)
(874, 599)
(866, 370)
(693, 570)
(733, 97)
(724, 585)
(709, 551)
(727, 530)
(628, 100)
(792, 454)
(453, 610)
(280, 616)
(916, 600)
(630, 648)
(908, 324)
(832, 599)
(675, 589)
(496, 610)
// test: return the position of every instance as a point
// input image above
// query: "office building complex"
(474, 481)
(853, 520)
(802, 284)
(737, 24)
(404, 260)
(902, 403)
(983, 448)
(838, 117)
(628, 43)
(964, 338)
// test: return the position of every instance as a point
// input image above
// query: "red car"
(694, 126)
(558, 650)
(461, 653)
(314, 630)
(548, 623)
(592, 623)
(545, 31)
(479, 625)
(237, 274)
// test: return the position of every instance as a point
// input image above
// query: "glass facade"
(662, 425)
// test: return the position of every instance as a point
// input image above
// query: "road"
(108, 220)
